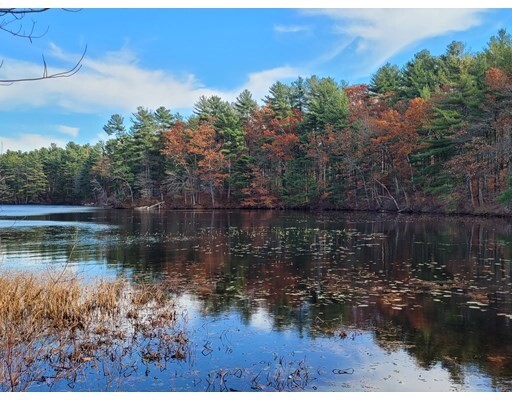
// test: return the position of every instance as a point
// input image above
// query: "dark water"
(300, 301)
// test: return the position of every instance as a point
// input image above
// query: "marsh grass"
(56, 327)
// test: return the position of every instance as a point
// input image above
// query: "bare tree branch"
(21, 11)
(11, 16)
(45, 75)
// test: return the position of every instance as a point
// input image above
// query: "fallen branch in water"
(150, 207)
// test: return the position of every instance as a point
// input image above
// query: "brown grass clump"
(58, 328)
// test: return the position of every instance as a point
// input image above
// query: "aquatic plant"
(58, 328)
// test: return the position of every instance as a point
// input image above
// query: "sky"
(154, 57)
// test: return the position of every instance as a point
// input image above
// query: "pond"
(289, 300)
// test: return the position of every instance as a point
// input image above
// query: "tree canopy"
(434, 134)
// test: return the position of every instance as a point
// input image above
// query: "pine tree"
(499, 51)
(386, 80)
(280, 100)
(245, 105)
(327, 104)
(115, 125)
(210, 107)
(423, 71)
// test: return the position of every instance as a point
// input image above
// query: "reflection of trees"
(55, 244)
(450, 336)
(325, 274)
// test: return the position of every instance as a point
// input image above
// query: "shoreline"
(412, 212)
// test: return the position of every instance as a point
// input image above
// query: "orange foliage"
(398, 133)
(401, 131)
(496, 79)
(176, 144)
(357, 96)
(280, 137)
(197, 150)
(258, 193)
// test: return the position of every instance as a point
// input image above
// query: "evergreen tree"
(299, 188)
(386, 80)
(454, 63)
(230, 133)
(53, 165)
(33, 180)
(210, 107)
(423, 71)
(115, 125)
(298, 93)
(144, 157)
(456, 107)
(280, 100)
(499, 51)
(164, 119)
(245, 105)
(327, 104)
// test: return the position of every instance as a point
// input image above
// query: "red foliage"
(258, 193)
(357, 95)
(496, 79)
(175, 145)
(280, 138)
(398, 135)
(198, 152)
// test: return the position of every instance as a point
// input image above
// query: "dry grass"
(57, 327)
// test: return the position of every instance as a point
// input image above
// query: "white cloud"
(380, 33)
(291, 28)
(100, 136)
(259, 82)
(117, 82)
(68, 130)
(27, 142)
(331, 54)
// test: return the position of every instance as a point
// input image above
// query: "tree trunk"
(365, 190)
(229, 181)
(480, 192)
(471, 192)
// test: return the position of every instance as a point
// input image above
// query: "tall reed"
(56, 327)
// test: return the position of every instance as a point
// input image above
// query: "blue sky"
(170, 57)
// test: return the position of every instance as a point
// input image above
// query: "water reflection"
(436, 289)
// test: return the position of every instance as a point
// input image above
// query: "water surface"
(299, 301)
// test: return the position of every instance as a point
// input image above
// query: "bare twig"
(45, 75)
(10, 16)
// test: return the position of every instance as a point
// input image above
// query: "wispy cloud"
(117, 83)
(68, 130)
(291, 28)
(379, 34)
(27, 142)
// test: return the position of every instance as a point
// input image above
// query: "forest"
(433, 135)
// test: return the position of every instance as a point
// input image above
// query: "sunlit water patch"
(8, 211)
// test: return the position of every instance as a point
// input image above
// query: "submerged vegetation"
(432, 135)
(57, 328)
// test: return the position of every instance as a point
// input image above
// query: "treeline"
(434, 134)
